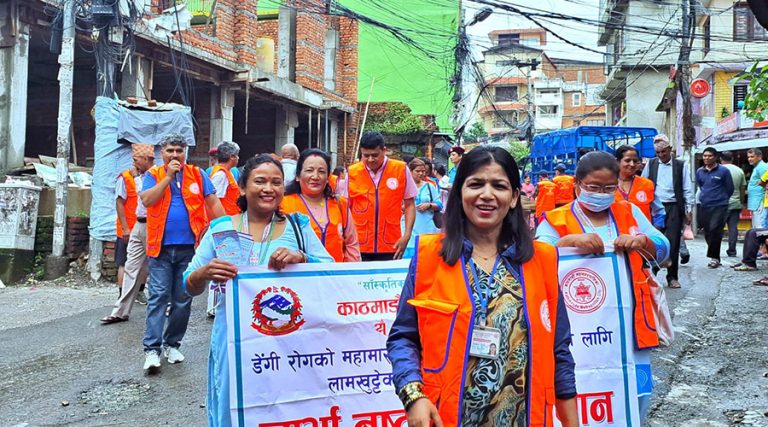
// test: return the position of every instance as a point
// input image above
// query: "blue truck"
(567, 145)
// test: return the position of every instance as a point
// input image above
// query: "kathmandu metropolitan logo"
(277, 311)
(583, 291)
(641, 196)
(392, 183)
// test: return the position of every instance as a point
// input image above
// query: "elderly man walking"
(135, 235)
(673, 187)
(180, 201)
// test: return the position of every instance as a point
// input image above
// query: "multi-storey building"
(731, 41)
(507, 95)
(564, 92)
(641, 39)
(582, 83)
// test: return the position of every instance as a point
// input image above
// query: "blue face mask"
(596, 202)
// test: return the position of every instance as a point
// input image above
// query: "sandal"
(674, 284)
(713, 263)
(744, 267)
(761, 282)
(113, 319)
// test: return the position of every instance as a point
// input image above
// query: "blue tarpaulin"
(562, 146)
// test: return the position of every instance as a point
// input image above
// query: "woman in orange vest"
(595, 219)
(311, 194)
(481, 335)
(635, 189)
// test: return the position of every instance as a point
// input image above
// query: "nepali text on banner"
(610, 373)
(307, 346)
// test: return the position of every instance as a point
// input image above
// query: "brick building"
(289, 75)
(582, 83)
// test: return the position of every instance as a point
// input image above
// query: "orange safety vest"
(157, 214)
(229, 201)
(376, 209)
(545, 197)
(337, 211)
(445, 312)
(564, 192)
(130, 203)
(640, 194)
(565, 222)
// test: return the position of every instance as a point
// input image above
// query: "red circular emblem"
(276, 311)
(700, 88)
(583, 291)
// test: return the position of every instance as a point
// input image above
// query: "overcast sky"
(582, 34)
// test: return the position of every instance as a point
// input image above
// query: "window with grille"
(739, 93)
(506, 94)
(508, 39)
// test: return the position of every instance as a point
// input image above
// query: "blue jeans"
(165, 286)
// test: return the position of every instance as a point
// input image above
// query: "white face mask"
(596, 202)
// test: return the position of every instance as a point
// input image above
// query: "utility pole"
(683, 75)
(57, 264)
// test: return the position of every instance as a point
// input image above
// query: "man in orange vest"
(126, 205)
(545, 195)
(180, 201)
(227, 189)
(133, 231)
(564, 183)
(380, 189)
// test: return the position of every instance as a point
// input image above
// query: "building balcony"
(615, 84)
(612, 13)
(503, 106)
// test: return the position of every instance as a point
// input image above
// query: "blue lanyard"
(482, 290)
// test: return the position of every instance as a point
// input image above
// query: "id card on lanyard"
(485, 340)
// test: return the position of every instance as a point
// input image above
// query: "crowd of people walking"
(472, 223)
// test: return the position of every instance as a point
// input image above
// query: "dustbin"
(18, 215)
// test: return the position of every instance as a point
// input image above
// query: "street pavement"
(60, 366)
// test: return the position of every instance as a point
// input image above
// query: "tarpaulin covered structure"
(565, 145)
(117, 126)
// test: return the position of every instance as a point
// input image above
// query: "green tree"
(475, 132)
(756, 100)
(519, 150)
(396, 119)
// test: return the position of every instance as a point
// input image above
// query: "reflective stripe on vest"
(377, 209)
(640, 195)
(229, 201)
(564, 192)
(545, 197)
(131, 202)
(565, 222)
(157, 214)
(445, 312)
(337, 212)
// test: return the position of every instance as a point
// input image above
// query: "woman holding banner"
(278, 240)
(311, 194)
(596, 221)
(481, 330)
